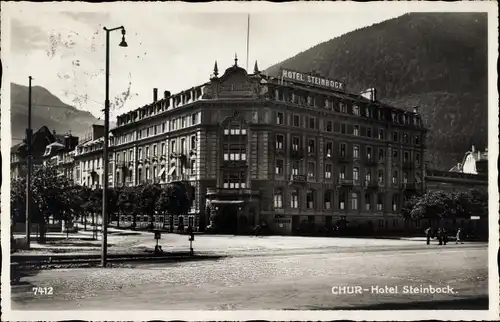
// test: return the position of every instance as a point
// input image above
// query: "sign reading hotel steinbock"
(312, 80)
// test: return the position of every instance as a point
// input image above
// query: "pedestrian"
(440, 236)
(459, 236)
(428, 235)
(445, 236)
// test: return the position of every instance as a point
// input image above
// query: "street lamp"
(105, 156)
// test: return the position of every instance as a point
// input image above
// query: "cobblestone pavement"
(281, 280)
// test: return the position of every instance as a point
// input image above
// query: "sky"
(64, 51)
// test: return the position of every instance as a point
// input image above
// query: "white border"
(253, 7)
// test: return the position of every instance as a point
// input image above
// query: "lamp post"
(29, 137)
(105, 157)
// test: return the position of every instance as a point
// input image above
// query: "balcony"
(345, 182)
(176, 178)
(371, 184)
(296, 154)
(410, 186)
(299, 178)
(408, 165)
(371, 162)
(214, 192)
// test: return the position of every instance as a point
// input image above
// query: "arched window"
(328, 199)
(278, 198)
(310, 198)
(380, 176)
(354, 201)
(294, 199)
(368, 201)
(380, 202)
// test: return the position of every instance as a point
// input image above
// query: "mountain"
(47, 110)
(437, 61)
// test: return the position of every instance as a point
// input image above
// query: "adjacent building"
(293, 151)
(88, 165)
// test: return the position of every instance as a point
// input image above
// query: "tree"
(146, 204)
(178, 201)
(18, 200)
(434, 206)
(126, 202)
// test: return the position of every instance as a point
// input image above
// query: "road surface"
(283, 276)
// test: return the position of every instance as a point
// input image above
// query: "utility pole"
(29, 136)
(105, 157)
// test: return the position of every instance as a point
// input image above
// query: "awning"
(226, 202)
(162, 172)
(171, 171)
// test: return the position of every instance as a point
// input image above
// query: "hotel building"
(296, 151)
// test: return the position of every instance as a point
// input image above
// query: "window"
(329, 149)
(406, 156)
(342, 197)
(368, 153)
(343, 107)
(234, 152)
(328, 171)
(280, 141)
(131, 155)
(406, 138)
(395, 177)
(193, 166)
(278, 198)
(367, 112)
(355, 151)
(356, 130)
(368, 177)
(296, 120)
(368, 203)
(193, 142)
(172, 146)
(395, 136)
(395, 202)
(355, 110)
(328, 199)
(279, 167)
(183, 124)
(139, 153)
(381, 134)
(312, 122)
(183, 145)
(380, 176)
(234, 180)
(147, 132)
(405, 177)
(280, 118)
(310, 146)
(329, 126)
(342, 149)
(417, 139)
(417, 159)
(368, 132)
(354, 201)
(395, 155)
(155, 150)
(355, 173)
(342, 172)
(380, 202)
(295, 168)
(294, 199)
(381, 155)
(194, 119)
(342, 128)
(311, 169)
(310, 199)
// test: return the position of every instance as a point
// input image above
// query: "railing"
(299, 178)
(345, 182)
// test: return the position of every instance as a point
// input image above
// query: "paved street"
(272, 273)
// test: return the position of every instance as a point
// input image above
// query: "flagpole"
(248, 37)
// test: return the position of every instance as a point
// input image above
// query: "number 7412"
(43, 290)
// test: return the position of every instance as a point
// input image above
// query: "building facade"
(88, 165)
(292, 151)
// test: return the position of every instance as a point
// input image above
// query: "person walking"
(440, 236)
(428, 235)
(445, 236)
(459, 236)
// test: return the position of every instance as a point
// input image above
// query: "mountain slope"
(435, 60)
(47, 110)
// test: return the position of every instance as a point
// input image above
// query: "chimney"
(155, 94)
(166, 94)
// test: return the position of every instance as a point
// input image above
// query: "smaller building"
(61, 155)
(88, 161)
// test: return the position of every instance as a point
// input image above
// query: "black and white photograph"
(291, 161)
